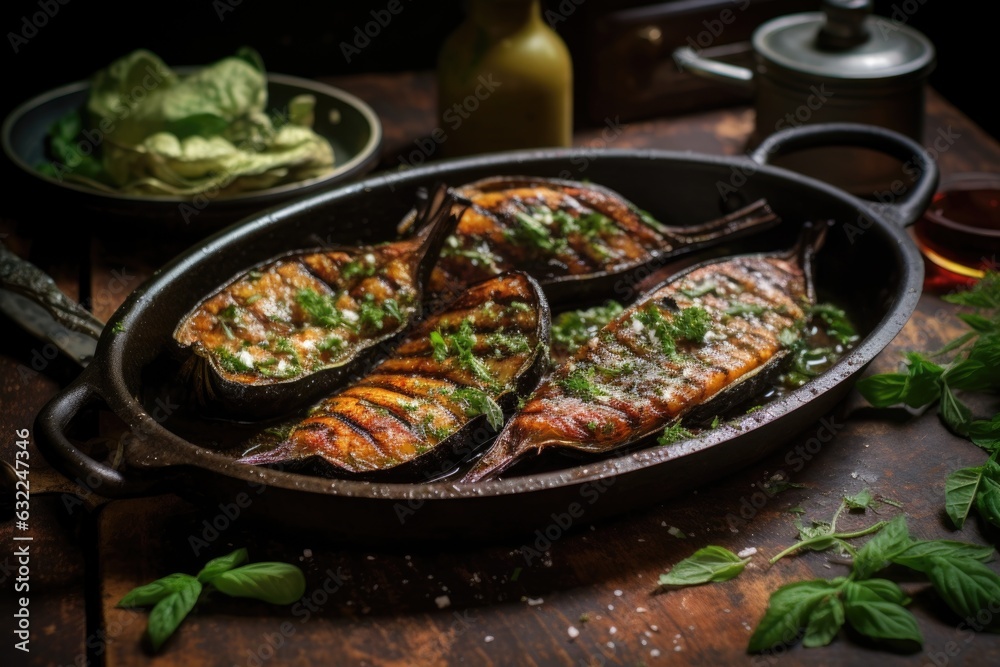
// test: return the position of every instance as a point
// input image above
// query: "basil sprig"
(816, 610)
(175, 595)
(973, 367)
(709, 564)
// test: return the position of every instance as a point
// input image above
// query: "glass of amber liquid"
(959, 234)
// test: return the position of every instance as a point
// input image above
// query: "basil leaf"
(788, 611)
(918, 554)
(154, 592)
(969, 375)
(988, 501)
(960, 492)
(984, 294)
(986, 434)
(876, 552)
(978, 322)
(884, 390)
(277, 583)
(219, 565)
(966, 585)
(955, 344)
(170, 611)
(923, 381)
(859, 501)
(824, 622)
(955, 413)
(884, 621)
(986, 350)
(709, 564)
(875, 590)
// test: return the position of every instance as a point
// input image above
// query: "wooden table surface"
(379, 606)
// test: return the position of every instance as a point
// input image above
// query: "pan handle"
(904, 211)
(51, 427)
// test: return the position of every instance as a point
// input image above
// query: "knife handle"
(24, 278)
(36, 303)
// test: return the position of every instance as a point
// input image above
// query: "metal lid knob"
(844, 27)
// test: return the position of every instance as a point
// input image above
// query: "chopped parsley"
(690, 324)
(508, 343)
(358, 268)
(459, 344)
(674, 433)
(476, 402)
(588, 225)
(252, 299)
(373, 314)
(837, 324)
(531, 231)
(788, 337)
(574, 328)
(230, 362)
(580, 383)
(319, 307)
(230, 313)
(331, 344)
(284, 346)
(479, 255)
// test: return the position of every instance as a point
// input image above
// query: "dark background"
(303, 38)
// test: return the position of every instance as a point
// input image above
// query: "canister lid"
(845, 42)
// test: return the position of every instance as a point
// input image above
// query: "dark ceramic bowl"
(351, 126)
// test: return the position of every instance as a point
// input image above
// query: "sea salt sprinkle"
(442, 601)
(572, 632)
(746, 553)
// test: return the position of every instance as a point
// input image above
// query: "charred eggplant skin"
(287, 331)
(576, 238)
(699, 342)
(414, 415)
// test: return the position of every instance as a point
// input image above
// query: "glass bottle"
(505, 81)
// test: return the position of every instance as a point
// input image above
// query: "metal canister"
(842, 64)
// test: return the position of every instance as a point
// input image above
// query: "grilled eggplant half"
(284, 333)
(453, 374)
(574, 238)
(706, 340)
